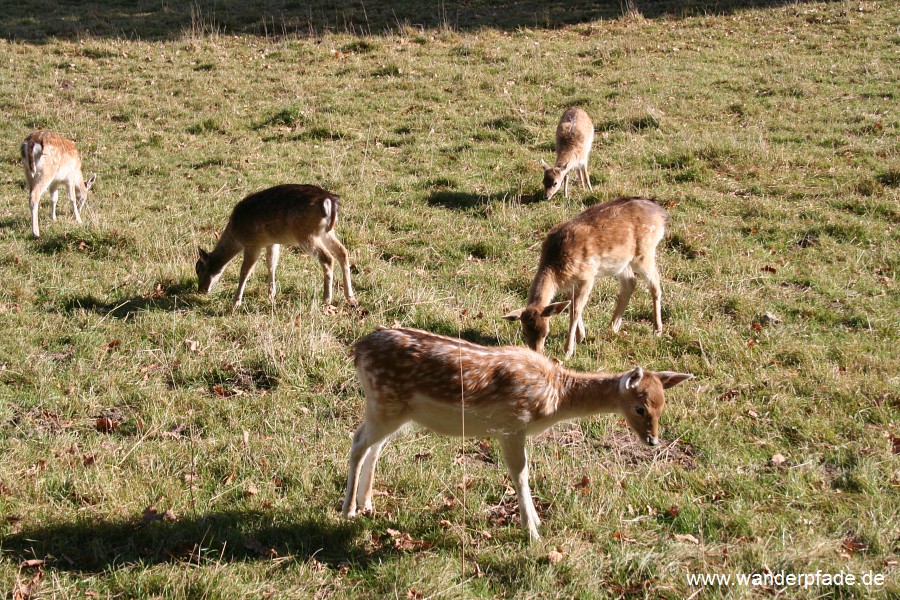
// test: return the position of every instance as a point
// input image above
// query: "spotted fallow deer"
(50, 160)
(574, 138)
(457, 388)
(617, 238)
(302, 215)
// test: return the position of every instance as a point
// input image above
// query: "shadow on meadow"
(472, 202)
(100, 545)
(178, 295)
(42, 20)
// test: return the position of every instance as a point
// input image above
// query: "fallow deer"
(51, 160)
(303, 215)
(617, 238)
(458, 388)
(574, 138)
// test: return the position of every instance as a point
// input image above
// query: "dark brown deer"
(457, 388)
(301, 215)
(617, 238)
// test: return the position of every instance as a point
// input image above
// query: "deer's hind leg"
(339, 251)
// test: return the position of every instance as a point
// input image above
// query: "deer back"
(425, 377)
(603, 239)
(284, 214)
(574, 137)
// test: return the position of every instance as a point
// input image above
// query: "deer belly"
(448, 419)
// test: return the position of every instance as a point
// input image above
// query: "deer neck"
(586, 394)
(226, 249)
(543, 288)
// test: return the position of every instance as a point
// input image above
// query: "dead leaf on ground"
(31, 563)
(623, 538)
(414, 594)
(584, 482)
(111, 344)
(251, 490)
(895, 443)
(555, 556)
(778, 460)
(192, 345)
(107, 425)
(686, 537)
(24, 589)
(853, 546)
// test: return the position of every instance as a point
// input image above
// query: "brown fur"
(458, 388)
(301, 215)
(50, 160)
(574, 139)
(618, 238)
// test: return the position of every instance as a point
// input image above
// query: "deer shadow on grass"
(480, 203)
(166, 298)
(100, 545)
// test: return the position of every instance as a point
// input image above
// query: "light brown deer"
(302, 215)
(51, 160)
(457, 388)
(617, 238)
(574, 138)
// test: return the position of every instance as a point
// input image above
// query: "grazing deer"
(617, 238)
(50, 160)
(303, 215)
(457, 388)
(574, 138)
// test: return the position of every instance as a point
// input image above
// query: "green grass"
(770, 133)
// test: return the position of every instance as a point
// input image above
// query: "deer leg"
(340, 252)
(516, 458)
(34, 202)
(327, 261)
(649, 273)
(54, 198)
(251, 255)
(627, 283)
(368, 440)
(74, 200)
(580, 295)
(367, 476)
(272, 254)
(566, 180)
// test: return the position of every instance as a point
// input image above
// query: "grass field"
(154, 444)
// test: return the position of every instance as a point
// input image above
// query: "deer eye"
(640, 410)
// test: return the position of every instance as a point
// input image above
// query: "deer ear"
(565, 166)
(555, 308)
(203, 254)
(545, 165)
(514, 315)
(631, 379)
(671, 378)
(90, 182)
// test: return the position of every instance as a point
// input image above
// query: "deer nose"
(652, 441)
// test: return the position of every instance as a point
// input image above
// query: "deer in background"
(457, 388)
(51, 160)
(574, 138)
(302, 215)
(617, 238)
